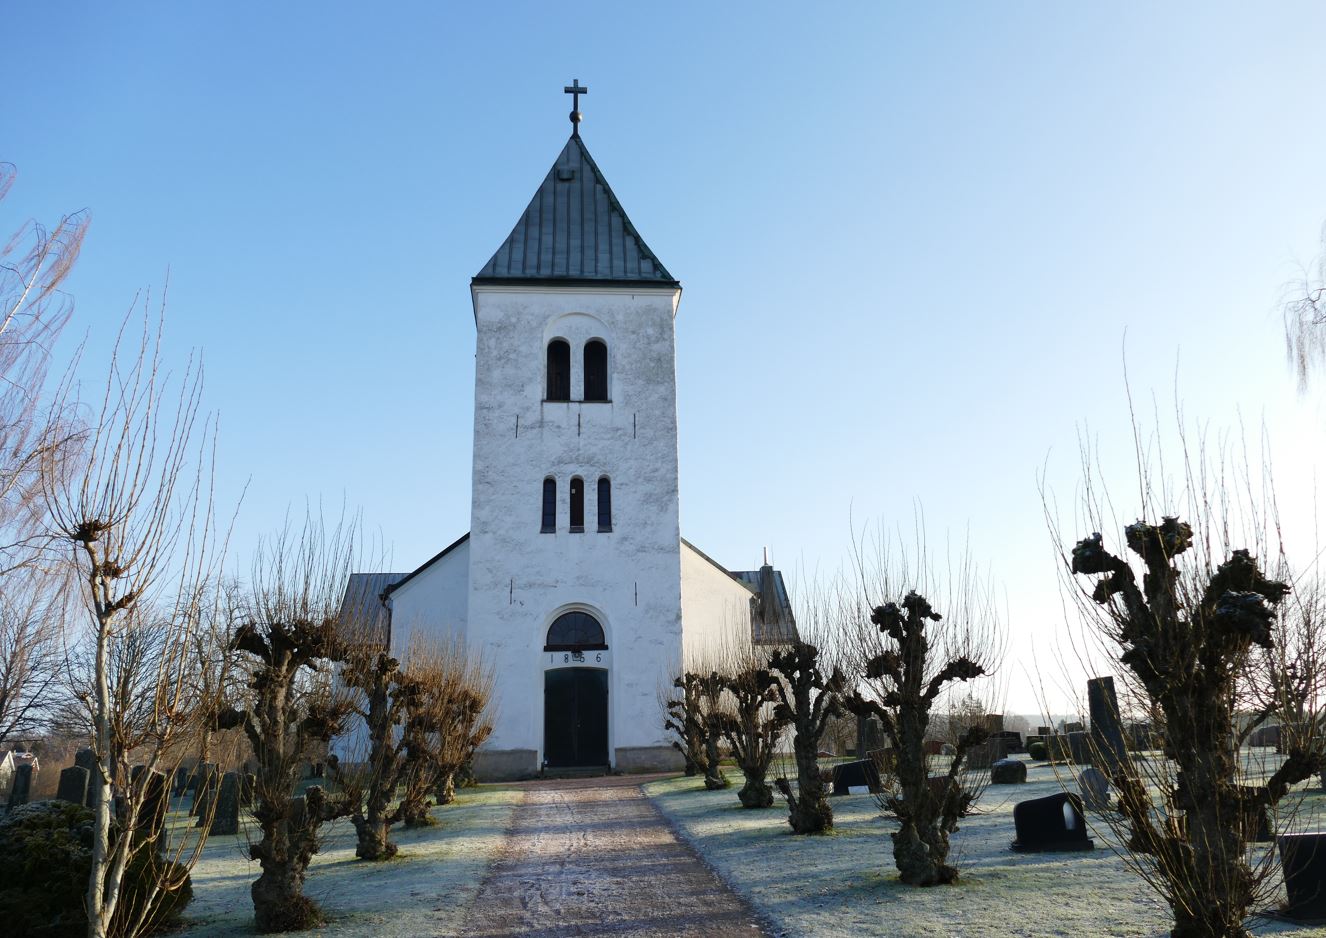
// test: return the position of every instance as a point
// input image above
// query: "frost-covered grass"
(845, 883)
(425, 890)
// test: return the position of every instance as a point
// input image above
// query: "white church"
(574, 582)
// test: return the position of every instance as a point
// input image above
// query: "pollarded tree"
(808, 700)
(751, 724)
(681, 717)
(1189, 636)
(903, 677)
(703, 694)
(292, 627)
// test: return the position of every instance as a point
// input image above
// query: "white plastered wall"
(715, 610)
(433, 603)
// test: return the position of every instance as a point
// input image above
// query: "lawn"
(845, 883)
(425, 890)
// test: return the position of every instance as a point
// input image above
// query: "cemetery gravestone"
(1051, 824)
(1008, 772)
(869, 734)
(1079, 747)
(1095, 787)
(1074, 728)
(155, 805)
(1013, 739)
(181, 781)
(20, 790)
(205, 776)
(1303, 858)
(1106, 728)
(73, 785)
(226, 818)
(852, 778)
(1044, 731)
(87, 759)
(249, 784)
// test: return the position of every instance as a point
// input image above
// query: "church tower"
(575, 563)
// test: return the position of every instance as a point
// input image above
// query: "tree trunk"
(920, 852)
(446, 789)
(756, 793)
(279, 903)
(98, 917)
(714, 779)
(810, 811)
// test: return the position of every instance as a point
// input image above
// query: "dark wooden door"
(575, 717)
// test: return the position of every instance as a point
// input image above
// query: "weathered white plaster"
(435, 601)
(519, 578)
(715, 608)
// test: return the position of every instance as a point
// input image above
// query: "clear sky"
(912, 238)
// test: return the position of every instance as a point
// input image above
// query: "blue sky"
(917, 242)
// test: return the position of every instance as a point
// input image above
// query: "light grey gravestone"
(206, 774)
(225, 820)
(87, 759)
(1106, 728)
(21, 788)
(1095, 788)
(73, 785)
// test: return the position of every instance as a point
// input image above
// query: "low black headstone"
(181, 781)
(20, 790)
(1074, 728)
(225, 820)
(1053, 823)
(860, 774)
(1014, 739)
(73, 785)
(248, 786)
(1303, 859)
(1008, 772)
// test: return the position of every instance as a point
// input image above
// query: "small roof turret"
(575, 231)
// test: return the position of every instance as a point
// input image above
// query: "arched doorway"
(575, 693)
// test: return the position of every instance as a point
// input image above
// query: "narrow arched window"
(575, 631)
(596, 371)
(559, 370)
(577, 504)
(605, 504)
(549, 506)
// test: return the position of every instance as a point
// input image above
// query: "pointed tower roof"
(575, 231)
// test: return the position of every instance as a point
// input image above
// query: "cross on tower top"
(575, 90)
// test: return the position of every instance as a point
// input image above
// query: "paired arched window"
(596, 370)
(575, 631)
(559, 370)
(605, 504)
(577, 504)
(549, 506)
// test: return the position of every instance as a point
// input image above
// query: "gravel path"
(595, 857)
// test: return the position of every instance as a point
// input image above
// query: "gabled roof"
(575, 231)
(772, 620)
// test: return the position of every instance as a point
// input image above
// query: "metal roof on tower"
(575, 231)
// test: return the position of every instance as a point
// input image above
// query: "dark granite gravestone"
(861, 775)
(207, 776)
(1044, 731)
(1095, 787)
(181, 781)
(1106, 727)
(1265, 736)
(1074, 728)
(73, 785)
(1056, 749)
(1008, 772)
(1051, 824)
(1012, 737)
(994, 723)
(248, 786)
(1079, 748)
(87, 759)
(1303, 859)
(1138, 737)
(869, 735)
(154, 806)
(20, 790)
(225, 820)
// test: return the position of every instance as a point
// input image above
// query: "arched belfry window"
(577, 504)
(605, 504)
(596, 370)
(549, 506)
(559, 370)
(575, 631)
